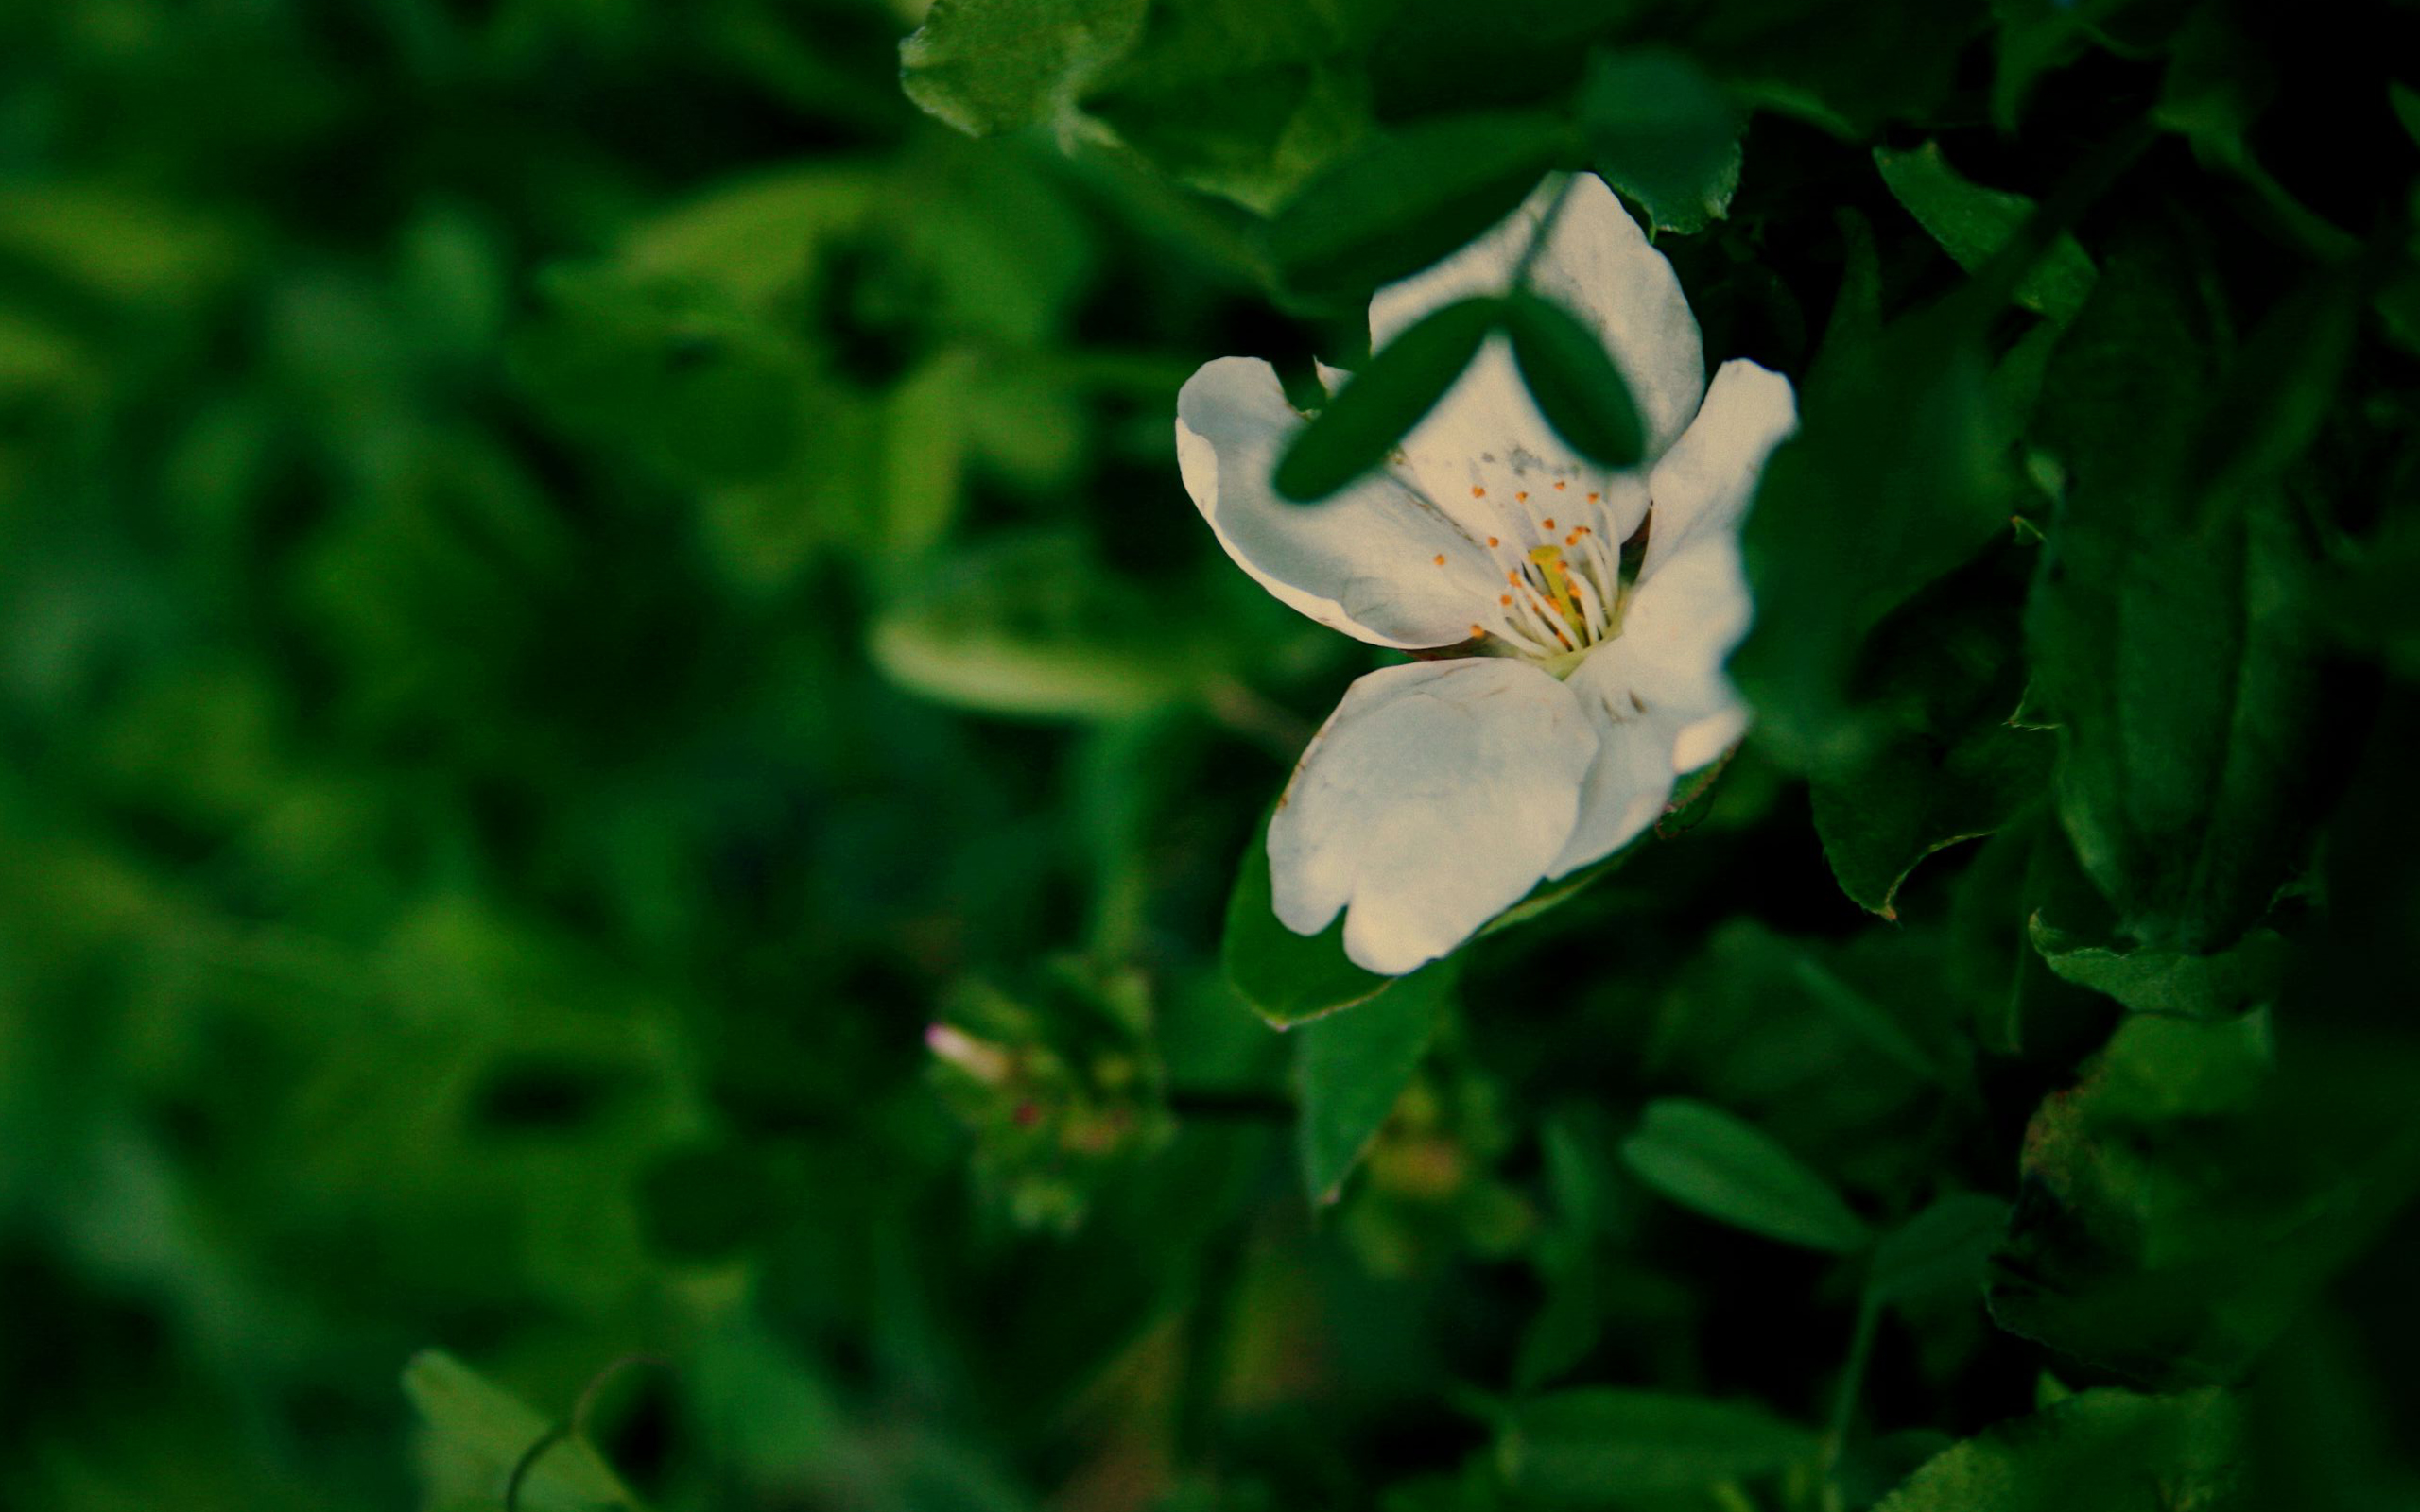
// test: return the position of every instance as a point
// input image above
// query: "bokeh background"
(575, 574)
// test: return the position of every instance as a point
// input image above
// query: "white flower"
(1440, 792)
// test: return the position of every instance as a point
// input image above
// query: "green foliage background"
(622, 765)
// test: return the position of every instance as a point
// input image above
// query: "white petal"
(1702, 486)
(1626, 789)
(1659, 695)
(1433, 799)
(1598, 265)
(1681, 625)
(1364, 562)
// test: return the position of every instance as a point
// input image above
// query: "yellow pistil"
(1548, 561)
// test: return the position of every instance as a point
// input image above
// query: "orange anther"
(1549, 522)
(1490, 541)
(1477, 493)
(1558, 484)
(1592, 498)
(1440, 559)
(1478, 631)
(1504, 599)
(1520, 498)
(1572, 539)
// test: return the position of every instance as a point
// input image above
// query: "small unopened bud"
(986, 1062)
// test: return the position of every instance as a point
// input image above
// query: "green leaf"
(2176, 648)
(1597, 1445)
(2097, 1452)
(1351, 1067)
(2246, 975)
(1246, 98)
(1568, 371)
(1380, 404)
(1945, 676)
(1846, 68)
(2277, 392)
(1726, 1169)
(1409, 198)
(1972, 223)
(1902, 438)
(995, 65)
(1940, 1252)
(1661, 131)
(473, 1433)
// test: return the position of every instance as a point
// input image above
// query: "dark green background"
(574, 574)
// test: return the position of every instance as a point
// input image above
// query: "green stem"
(1208, 1340)
(1869, 1320)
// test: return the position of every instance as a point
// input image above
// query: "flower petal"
(1625, 790)
(1434, 798)
(1366, 561)
(1702, 487)
(1598, 264)
(1659, 694)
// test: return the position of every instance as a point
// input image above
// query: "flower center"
(1564, 589)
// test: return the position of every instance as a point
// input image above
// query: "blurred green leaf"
(1598, 1444)
(1568, 371)
(2179, 1210)
(1846, 68)
(707, 1203)
(145, 251)
(473, 1433)
(995, 65)
(2406, 102)
(2277, 391)
(2104, 1451)
(1406, 199)
(1381, 403)
(757, 236)
(1972, 223)
(1349, 1070)
(1030, 625)
(673, 373)
(1726, 1169)
(1940, 1252)
(1661, 131)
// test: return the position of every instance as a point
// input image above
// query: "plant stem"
(1869, 1320)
